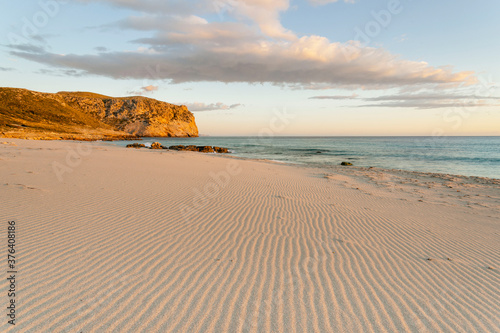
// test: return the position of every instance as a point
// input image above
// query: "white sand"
(125, 242)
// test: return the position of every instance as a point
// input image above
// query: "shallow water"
(469, 156)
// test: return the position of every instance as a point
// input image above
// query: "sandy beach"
(110, 239)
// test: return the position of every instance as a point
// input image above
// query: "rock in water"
(205, 149)
(178, 147)
(156, 145)
(346, 163)
(136, 145)
(221, 150)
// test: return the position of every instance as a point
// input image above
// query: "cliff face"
(136, 115)
(77, 113)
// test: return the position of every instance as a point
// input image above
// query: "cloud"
(264, 13)
(193, 31)
(426, 97)
(157, 6)
(197, 106)
(431, 101)
(6, 69)
(39, 38)
(420, 101)
(401, 38)
(28, 48)
(324, 2)
(309, 61)
(247, 44)
(432, 105)
(143, 90)
(101, 48)
(60, 72)
(338, 97)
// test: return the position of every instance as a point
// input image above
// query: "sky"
(274, 68)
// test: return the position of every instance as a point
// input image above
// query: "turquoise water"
(469, 156)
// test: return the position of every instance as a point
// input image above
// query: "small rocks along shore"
(202, 149)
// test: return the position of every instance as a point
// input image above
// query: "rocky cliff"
(75, 114)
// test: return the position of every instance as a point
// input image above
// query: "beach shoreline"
(116, 239)
(469, 156)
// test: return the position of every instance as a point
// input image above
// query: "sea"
(467, 156)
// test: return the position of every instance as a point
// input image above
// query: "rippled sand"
(123, 240)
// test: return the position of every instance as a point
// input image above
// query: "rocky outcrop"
(82, 114)
(202, 149)
(156, 145)
(221, 150)
(136, 145)
(139, 115)
(206, 149)
(182, 147)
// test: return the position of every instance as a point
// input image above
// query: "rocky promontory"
(82, 115)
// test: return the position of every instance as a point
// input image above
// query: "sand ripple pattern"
(276, 249)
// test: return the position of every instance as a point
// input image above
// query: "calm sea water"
(469, 156)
